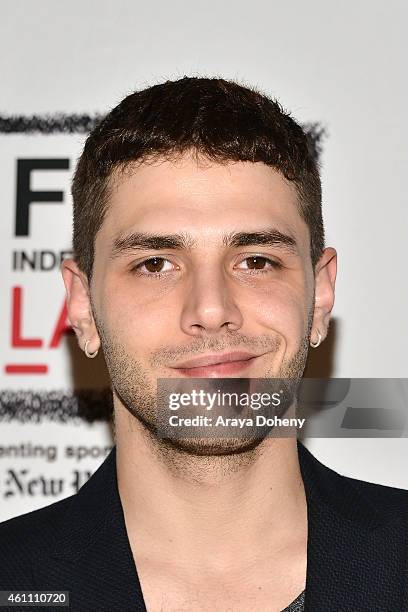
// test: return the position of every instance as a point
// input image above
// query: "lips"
(208, 360)
(216, 365)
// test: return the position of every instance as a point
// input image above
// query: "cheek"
(131, 319)
(282, 308)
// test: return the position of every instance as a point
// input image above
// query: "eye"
(260, 263)
(154, 266)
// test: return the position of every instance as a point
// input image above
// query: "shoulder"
(25, 539)
(34, 527)
(352, 497)
(30, 542)
(392, 500)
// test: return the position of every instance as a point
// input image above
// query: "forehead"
(202, 197)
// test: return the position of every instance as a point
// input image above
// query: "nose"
(209, 305)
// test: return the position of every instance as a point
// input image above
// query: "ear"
(325, 280)
(79, 305)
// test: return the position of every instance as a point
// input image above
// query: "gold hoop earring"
(319, 339)
(87, 353)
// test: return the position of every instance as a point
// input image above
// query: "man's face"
(201, 261)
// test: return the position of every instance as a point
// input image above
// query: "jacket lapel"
(92, 558)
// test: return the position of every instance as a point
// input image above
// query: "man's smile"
(215, 365)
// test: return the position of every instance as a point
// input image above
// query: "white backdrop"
(340, 64)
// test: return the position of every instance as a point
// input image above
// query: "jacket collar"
(352, 544)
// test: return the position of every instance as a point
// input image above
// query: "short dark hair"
(213, 117)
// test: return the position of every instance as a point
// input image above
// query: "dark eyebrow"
(269, 237)
(143, 241)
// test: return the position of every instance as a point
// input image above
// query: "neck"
(179, 505)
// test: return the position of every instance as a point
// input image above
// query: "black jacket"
(357, 546)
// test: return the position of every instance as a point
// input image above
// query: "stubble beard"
(132, 387)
